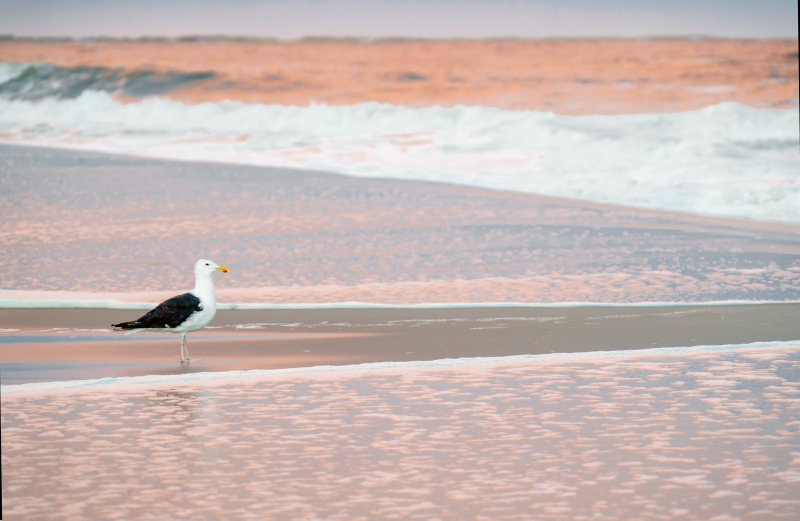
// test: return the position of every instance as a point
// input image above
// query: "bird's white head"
(207, 267)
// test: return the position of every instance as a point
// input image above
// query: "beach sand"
(694, 434)
(74, 344)
(593, 424)
(84, 226)
(485, 412)
(481, 412)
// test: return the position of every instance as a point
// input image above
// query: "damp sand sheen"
(653, 434)
(548, 404)
(455, 292)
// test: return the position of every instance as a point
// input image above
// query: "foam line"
(727, 160)
(340, 371)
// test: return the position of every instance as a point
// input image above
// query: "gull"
(185, 313)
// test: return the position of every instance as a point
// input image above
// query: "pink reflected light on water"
(647, 434)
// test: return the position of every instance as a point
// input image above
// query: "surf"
(726, 160)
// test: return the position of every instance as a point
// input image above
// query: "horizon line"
(225, 38)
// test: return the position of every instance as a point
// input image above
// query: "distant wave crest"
(34, 82)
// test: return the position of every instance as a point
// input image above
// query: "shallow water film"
(692, 433)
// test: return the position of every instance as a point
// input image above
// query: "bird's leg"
(184, 357)
(186, 348)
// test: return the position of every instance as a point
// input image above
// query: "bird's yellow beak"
(223, 269)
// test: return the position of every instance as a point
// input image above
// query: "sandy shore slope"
(128, 228)
(46, 345)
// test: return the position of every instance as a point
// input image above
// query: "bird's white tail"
(132, 331)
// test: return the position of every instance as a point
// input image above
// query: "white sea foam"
(726, 160)
(10, 71)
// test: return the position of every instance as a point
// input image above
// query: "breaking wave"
(34, 82)
(726, 160)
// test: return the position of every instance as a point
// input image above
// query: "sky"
(289, 19)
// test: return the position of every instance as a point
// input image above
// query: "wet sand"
(692, 434)
(576, 432)
(562, 76)
(87, 226)
(73, 344)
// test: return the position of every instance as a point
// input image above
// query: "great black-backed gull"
(184, 313)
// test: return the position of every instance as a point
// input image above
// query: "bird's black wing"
(170, 313)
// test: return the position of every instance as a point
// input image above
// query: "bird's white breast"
(204, 290)
(202, 318)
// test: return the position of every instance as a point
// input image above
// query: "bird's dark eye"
(206, 264)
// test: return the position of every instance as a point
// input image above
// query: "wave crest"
(727, 160)
(34, 82)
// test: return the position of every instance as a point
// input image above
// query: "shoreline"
(77, 344)
(713, 431)
(401, 345)
(83, 151)
(313, 237)
(359, 370)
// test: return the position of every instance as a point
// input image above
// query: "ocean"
(523, 279)
(726, 160)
